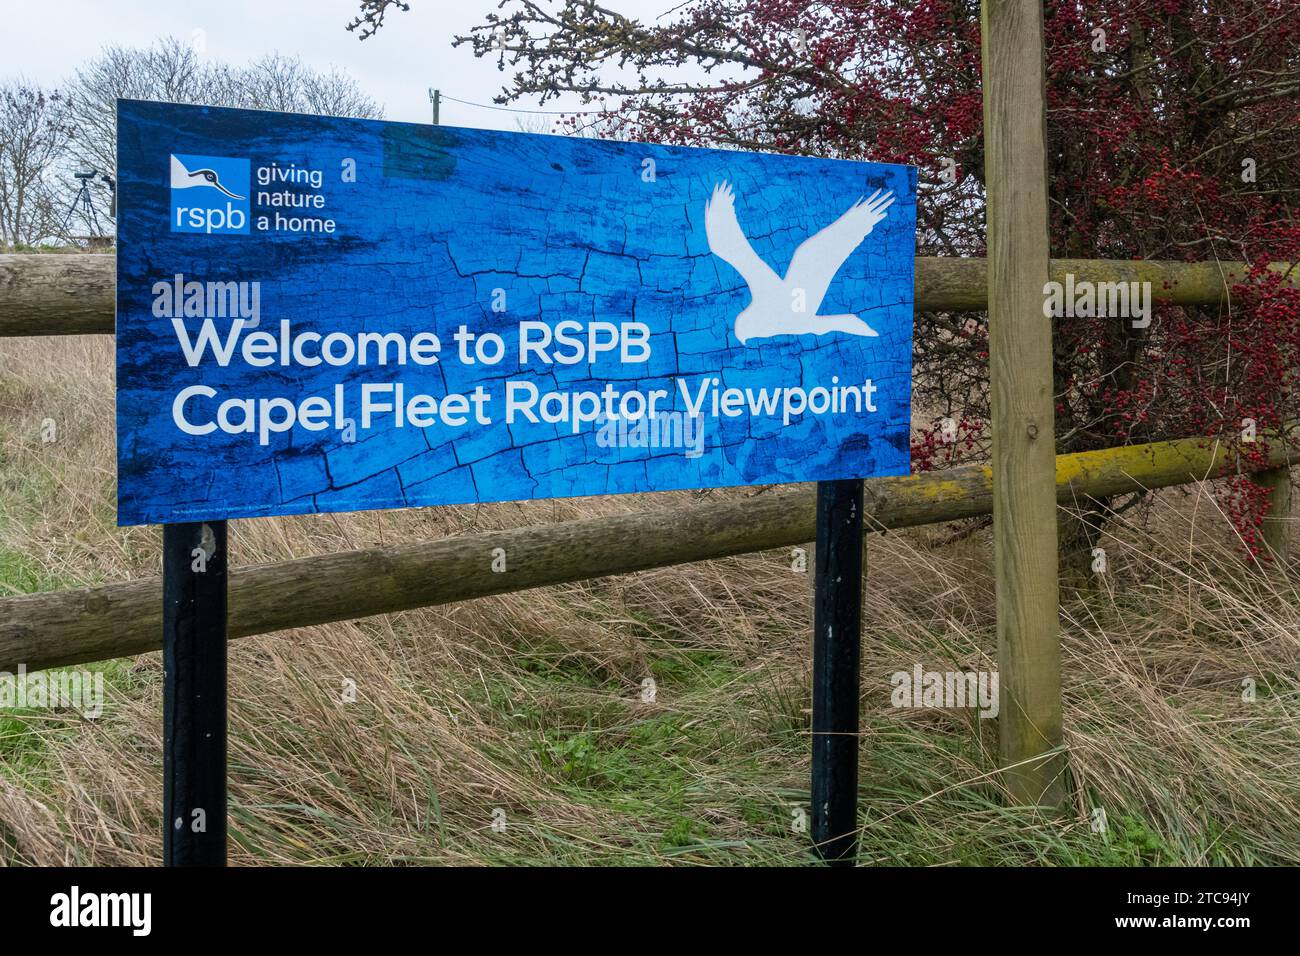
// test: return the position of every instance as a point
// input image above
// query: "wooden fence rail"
(62, 628)
(48, 294)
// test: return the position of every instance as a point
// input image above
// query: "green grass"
(29, 736)
(696, 789)
(19, 574)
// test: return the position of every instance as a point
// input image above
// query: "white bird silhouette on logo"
(789, 306)
(182, 178)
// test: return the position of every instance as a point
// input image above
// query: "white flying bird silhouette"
(789, 306)
(182, 178)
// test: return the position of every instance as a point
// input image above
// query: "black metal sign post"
(194, 694)
(837, 626)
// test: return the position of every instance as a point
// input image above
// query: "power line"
(509, 109)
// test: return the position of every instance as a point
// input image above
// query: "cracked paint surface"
(437, 220)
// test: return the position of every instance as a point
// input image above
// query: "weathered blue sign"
(320, 314)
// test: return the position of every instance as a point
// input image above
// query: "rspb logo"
(210, 195)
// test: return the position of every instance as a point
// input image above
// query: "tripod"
(86, 200)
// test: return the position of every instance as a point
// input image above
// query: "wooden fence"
(67, 294)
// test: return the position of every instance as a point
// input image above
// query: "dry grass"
(531, 704)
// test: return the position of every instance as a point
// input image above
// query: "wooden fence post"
(1020, 360)
(1277, 525)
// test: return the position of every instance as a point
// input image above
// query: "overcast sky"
(47, 39)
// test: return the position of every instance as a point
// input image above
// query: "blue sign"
(321, 314)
